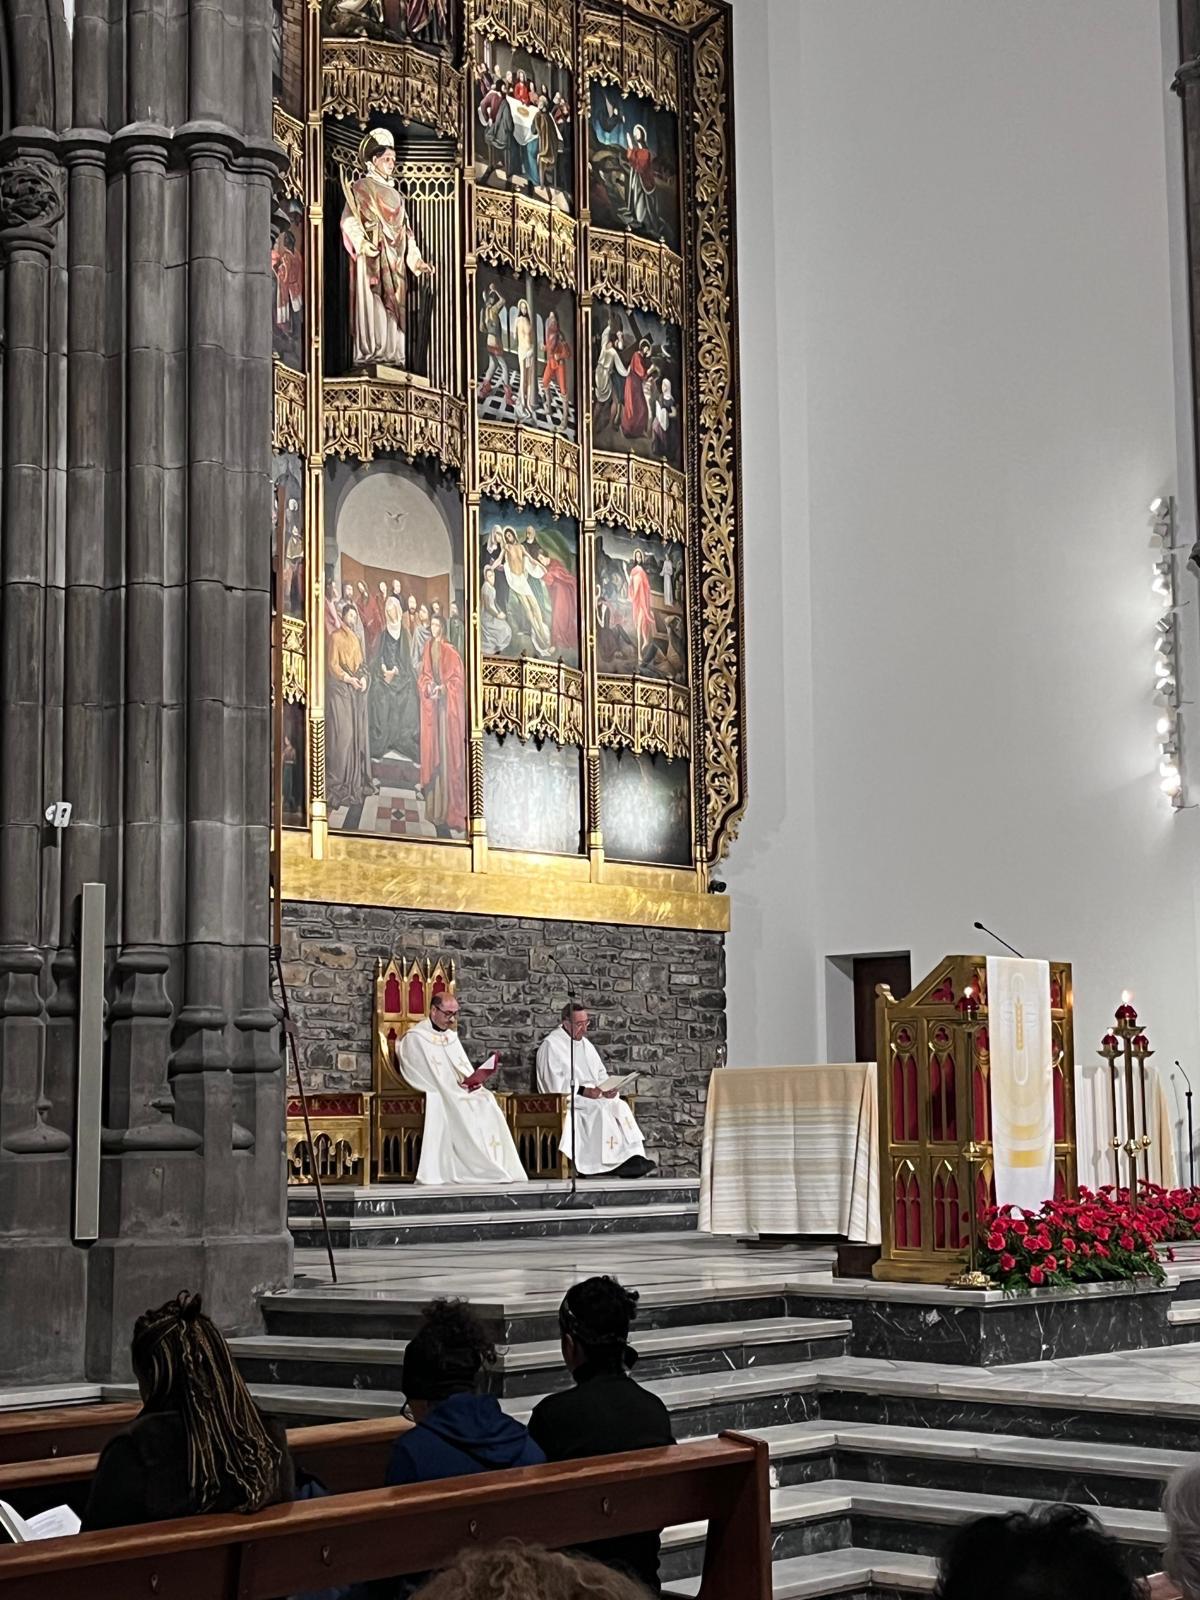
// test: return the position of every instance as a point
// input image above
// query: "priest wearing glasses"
(610, 1141)
(466, 1138)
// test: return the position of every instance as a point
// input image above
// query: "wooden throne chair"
(404, 992)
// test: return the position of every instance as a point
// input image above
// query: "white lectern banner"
(1021, 1043)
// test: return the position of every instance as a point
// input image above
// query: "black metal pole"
(289, 1029)
(573, 1197)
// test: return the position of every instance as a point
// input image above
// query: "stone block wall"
(657, 998)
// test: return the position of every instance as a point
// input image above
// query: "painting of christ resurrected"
(529, 583)
(641, 607)
(524, 129)
(633, 165)
(636, 385)
(395, 651)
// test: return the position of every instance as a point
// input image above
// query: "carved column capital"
(31, 203)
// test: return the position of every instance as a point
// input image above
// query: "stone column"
(38, 1265)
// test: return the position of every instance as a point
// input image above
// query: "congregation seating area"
(352, 1536)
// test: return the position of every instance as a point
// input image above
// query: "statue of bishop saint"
(610, 1141)
(383, 250)
(466, 1138)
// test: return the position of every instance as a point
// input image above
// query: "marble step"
(536, 1367)
(1095, 1403)
(512, 1319)
(452, 1228)
(753, 1397)
(838, 1513)
(1086, 1473)
(430, 1200)
(851, 1573)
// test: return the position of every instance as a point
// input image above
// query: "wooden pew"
(322, 1543)
(345, 1456)
(61, 1430)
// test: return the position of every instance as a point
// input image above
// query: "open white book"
(57, 1523)
(619, 1084)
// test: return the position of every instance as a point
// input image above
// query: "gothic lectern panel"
(935, 1115)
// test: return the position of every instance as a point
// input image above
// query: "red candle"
(1141, 1045)
(1109, 1042)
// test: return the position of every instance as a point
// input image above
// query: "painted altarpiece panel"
(396, 446)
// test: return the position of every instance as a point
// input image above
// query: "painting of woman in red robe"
(441, 688)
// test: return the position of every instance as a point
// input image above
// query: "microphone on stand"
(572, 1199)
(1191, 1137)
(983, 929)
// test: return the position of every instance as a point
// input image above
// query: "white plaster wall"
(960, 315)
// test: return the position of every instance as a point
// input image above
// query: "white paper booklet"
(490, 1065)
(618, 1084)
(57, 1523)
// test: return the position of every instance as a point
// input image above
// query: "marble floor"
(539, 1271)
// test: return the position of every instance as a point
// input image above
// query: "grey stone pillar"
(38, 1266)
(135, 660)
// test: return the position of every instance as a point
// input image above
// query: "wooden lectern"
(935, 1151)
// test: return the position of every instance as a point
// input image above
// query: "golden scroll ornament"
(364, 417)
(291, 404)
(530, 466)
(643, 496)
(645, 714)
(717, 437)
(512, 230)
(677, 13)
(362, 76)
(533, 699)
(635, 272)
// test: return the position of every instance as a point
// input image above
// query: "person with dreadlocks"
(458, 1430)
(605, 1412)
(199, 1443)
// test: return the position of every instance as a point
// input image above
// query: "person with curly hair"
(200, 1443)
(458, 1430)
(605, 1412)
(512, 1571)
(1055, 1552)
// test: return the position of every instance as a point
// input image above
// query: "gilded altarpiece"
(508, 534)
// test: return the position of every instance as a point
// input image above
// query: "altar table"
(792, 1150)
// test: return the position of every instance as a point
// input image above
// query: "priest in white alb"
(609, 1139)
(466, 1139)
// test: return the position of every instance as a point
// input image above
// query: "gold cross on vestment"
(494, 1146)
(612, 1141)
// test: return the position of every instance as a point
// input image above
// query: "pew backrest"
(319, 1544)
(345, 1456)
(61, 1430)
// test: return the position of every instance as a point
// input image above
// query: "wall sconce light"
(1169, 726)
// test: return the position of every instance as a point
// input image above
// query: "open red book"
(482, 1072)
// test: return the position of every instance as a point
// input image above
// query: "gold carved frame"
(678, 54)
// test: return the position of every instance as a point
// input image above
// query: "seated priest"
(466, 1139)
(610, 1141)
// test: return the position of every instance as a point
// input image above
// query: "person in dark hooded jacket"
(458, 1430)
